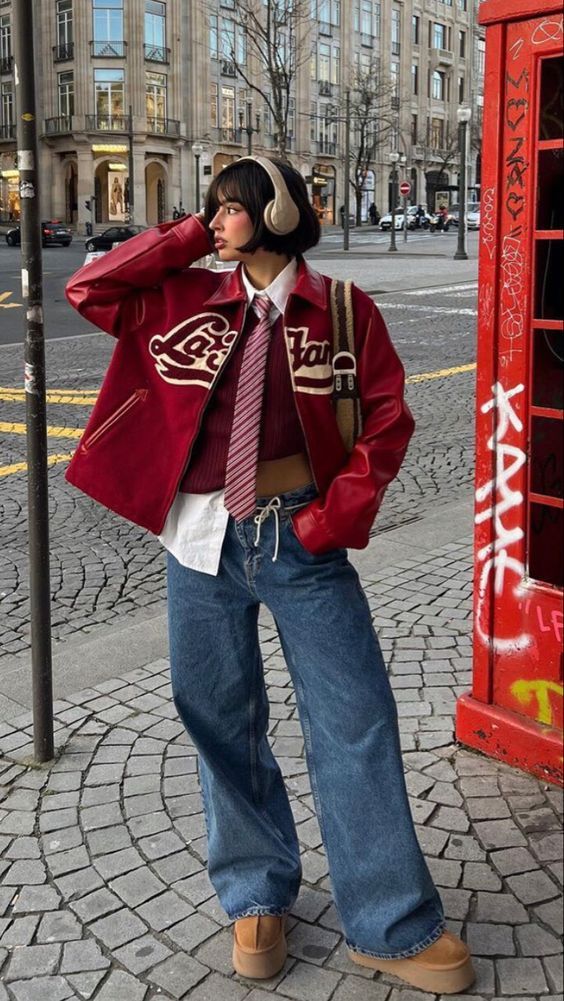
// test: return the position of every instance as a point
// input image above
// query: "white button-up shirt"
(196, 524)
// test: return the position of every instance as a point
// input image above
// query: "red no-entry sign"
(405, 188)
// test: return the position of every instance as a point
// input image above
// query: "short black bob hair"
(246, 182)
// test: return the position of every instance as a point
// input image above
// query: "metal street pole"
(347, 169)
(249, 129)
(392, 248)
(34, 382)
(405, 218)
(131, 170)
(461, 254)
(197, 159)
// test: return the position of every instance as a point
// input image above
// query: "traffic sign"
(405, 188)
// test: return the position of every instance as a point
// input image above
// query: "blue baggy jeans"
(383, 892)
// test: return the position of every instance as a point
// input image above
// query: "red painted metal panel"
(517, 694)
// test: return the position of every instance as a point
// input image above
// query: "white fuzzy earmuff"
(281, 215)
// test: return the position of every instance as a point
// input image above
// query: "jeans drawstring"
(273, 507)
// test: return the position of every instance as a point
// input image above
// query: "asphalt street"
(104, 570)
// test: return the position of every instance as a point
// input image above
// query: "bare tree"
(274, 46)
(440, 157)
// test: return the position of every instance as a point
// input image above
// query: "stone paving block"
(218, 988)
(490, 939)
(456, 903)
(521, 976)
(480, 876)
(118, 928)
(108, 839)
(445, 872)
(69, 861)
(33, 961)
(450, 818)
(95, 817)
(536, 941)
(354, 988)
(484, 808)
(20, 932)
(137, 886)
(61, 841)
(36, 898)
(142, 954)
(78, 884)
(311, 943)
(513, 860)
(311, 904)
(308, 983)
(176, 867)
(215, 953)
(554, 971)
(533, 887)
(314, 865)
(122, 985)
(21, 848)
(42, 989)
(85, 984)
(59, 926)
(177, 975)
(152, 823)
(83, 957)
(547, 847)
(118, 863)
(551, 914)
(446, 794)
(500, 834)
(160, 845)
(95, 905)
(431, 839)
(28, 871)
(500, 907)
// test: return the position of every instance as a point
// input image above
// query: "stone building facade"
(139, 96)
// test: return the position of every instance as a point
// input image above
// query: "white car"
(386, 221)
(473, 219)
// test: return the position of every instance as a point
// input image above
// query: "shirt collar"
(278, 290)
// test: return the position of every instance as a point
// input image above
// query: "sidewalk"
(103, 890)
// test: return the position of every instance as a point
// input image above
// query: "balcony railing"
(326, 147)
(228, 68)
(7, 132)
(395, 103)
(157, 54)
(61, 125)
(325, 28)
(106, 49)
(163, 126)
(228, 135)
(325, 88)
(6, 63)
(62, 53)
(367, 40)
(108, 123)
(396, 48)
(442, 57)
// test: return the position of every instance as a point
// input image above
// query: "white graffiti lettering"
(513, 291)
(495, 558)
(548, 31)
(487, 221)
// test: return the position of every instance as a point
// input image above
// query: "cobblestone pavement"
(104, 569)
(104, 893)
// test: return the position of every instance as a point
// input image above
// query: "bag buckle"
(344, 376)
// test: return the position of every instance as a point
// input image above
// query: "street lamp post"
(197, 150)
(463, 115)
(248, 128)
(403, 162)
(394, 157)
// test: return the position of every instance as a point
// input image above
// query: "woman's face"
(232, 228)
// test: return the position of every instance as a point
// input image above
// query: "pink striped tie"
(242, 457)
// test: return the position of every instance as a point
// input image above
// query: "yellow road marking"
(20, 467)
(52, 432)
(8, 305)
(441, 373)
(80, 397)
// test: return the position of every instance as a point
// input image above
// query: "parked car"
(52, 232)
(115, 234)
(386, 220)
(473, 218)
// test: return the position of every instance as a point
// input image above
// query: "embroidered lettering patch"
(192, 353)
(310, 362)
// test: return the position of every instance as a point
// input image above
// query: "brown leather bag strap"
(345, 381)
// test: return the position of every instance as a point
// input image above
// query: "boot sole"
(453, 980)
(260, 965)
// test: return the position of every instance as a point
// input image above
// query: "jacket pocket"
(138, 396)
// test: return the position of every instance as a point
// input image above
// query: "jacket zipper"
(170, 501)
(139, 396)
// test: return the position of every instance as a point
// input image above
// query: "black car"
(115, 234)
(52, 232)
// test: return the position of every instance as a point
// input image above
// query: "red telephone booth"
(514, 711)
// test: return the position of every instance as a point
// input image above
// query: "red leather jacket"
(175, 329)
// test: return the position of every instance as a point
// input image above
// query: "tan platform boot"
(259, 946)
(444, 968)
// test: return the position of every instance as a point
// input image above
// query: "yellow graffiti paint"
(21, 467)
(524, 691)
(52, 432)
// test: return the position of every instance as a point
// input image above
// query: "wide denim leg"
(382, 888)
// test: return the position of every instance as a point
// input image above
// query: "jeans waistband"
(291, 498)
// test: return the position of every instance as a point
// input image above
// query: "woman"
(216, 430)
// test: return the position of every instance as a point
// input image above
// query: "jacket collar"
(309, 286)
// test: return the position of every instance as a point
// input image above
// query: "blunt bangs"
(248, 184)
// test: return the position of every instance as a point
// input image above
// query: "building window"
(367, 18)
(415, 29)
(155, 30)
(439, 36)
(396, 31)
(414, 129)
(5, 38)
(109, 86)
(108, 27)
(336, 66)
(461, 90)
(65, 83)
(313, 121)
(436, 133)
(462, 44)
(228, 113)
(395, 79)
(463, 4)
(438, 86)
(324, 62)
(155, 100)
(214, 102)
(481, 58)
(64, 23)
(415, 78)
(7, 104)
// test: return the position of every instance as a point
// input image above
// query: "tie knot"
(262, 306)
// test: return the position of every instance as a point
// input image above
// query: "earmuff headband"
(281, 215)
